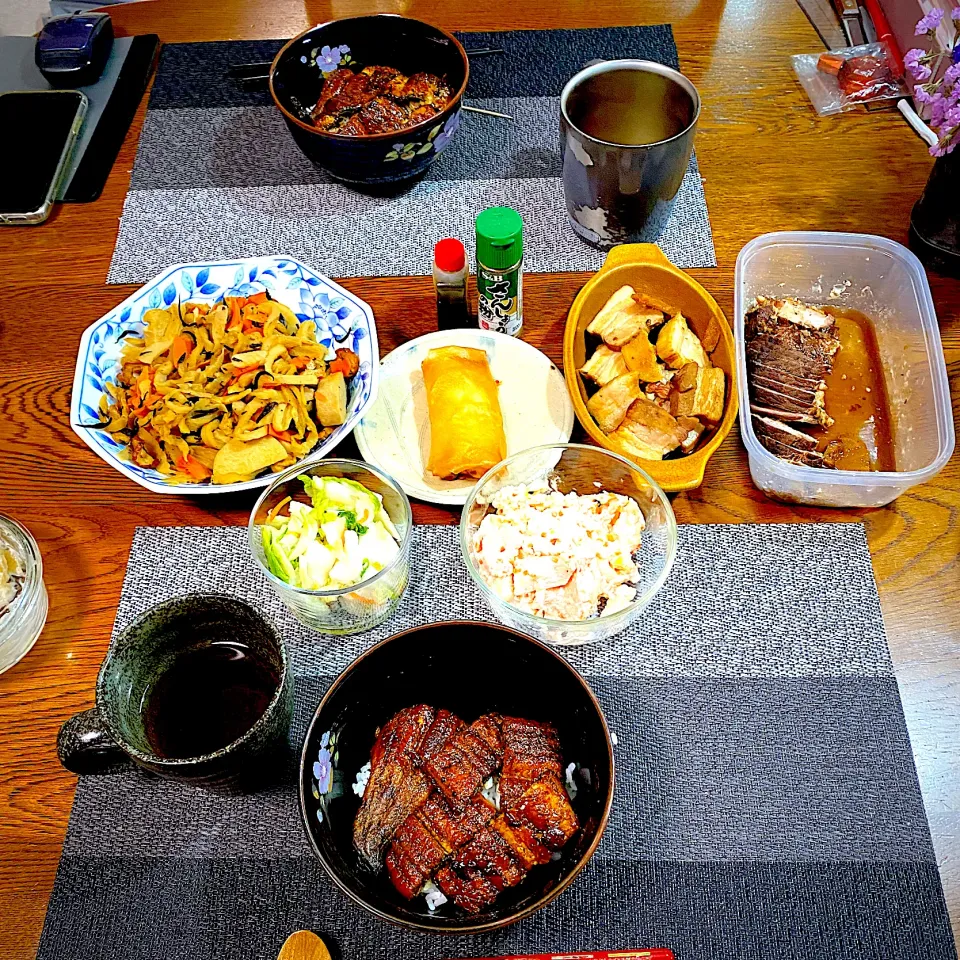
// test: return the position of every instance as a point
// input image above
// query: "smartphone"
(42, 127)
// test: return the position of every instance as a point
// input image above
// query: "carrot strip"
(179, 348)
(234, 303)
(193, 467)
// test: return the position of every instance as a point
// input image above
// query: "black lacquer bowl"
(411, 46)
(471, 669)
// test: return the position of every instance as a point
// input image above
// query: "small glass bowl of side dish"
(22, 620)
(370, 601)
(585, 470)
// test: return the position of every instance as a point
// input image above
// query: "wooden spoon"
(304, 945)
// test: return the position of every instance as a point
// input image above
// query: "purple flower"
(921, 95)
(937, 110)
(952, 74)
(955, 14)
(323, 771)
(929, 22)
(329, 58)
(446, 135)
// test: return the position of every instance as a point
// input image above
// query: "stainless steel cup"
(624, 192)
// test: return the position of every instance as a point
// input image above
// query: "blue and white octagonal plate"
(342, 320)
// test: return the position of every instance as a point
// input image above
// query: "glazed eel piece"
(431, 768)
(535, 820)
(459, 762)
(397, 785)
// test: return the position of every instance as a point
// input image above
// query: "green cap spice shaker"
(499, 280)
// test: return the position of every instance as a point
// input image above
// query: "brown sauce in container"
(856, 398)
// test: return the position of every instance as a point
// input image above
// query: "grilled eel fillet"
(416, 742)
(472, 851)
(397, 786)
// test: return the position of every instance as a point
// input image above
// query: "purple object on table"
(72, 51)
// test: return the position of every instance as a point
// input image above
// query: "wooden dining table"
(768, 163)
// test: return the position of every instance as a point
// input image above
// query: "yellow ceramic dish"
(644, 267)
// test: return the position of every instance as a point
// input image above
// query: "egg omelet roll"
(466, 426)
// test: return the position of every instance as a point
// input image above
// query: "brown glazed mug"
(627, 129)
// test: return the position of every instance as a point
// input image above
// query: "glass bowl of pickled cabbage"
(23, 596)
(568, 543)
(333, 539)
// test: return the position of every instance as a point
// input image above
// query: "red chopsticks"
(656, 954)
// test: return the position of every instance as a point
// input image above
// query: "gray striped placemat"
(217, 175)
(766, 806)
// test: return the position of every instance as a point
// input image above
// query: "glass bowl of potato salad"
(568, 543)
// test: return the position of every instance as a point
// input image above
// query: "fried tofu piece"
(238, 460)
(709, 395)
(686, 377)
(652, 427)
(694, 430)
(604, 365)
(682, 402)
(711, 336)
(640, 356)
(677, 344)
(609, 405)
(620, 319)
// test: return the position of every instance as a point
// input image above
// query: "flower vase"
(935, 221)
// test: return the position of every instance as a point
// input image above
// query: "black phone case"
(93, 170)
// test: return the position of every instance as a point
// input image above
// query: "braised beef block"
(807, 458)
(805, 393)
(787, 435)
(789, 349)
(786, 416)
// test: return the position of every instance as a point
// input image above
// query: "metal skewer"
(488, 113)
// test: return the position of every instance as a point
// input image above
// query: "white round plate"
(394, 433)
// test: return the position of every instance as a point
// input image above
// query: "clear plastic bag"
(840, 80)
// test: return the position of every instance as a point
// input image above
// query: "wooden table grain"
(768, 164)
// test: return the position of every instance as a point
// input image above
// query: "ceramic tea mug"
(627, 129)
(197, 689)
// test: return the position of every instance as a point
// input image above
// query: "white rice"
(433, 895)
(363, 777)
(570, 784)
(491, 791)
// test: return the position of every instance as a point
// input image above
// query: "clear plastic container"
(21, 624)
(573, 467)
(351, 609)
(886, 282)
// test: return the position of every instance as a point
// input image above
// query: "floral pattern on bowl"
(437, 140)
(342, 320)
(328, 58)
(327, 782)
